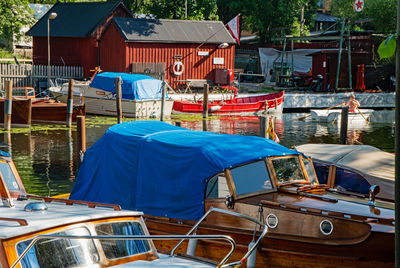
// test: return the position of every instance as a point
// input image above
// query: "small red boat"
(242, 105)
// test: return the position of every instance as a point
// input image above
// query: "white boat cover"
(376, 166)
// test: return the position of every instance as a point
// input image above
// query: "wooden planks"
(27, 75)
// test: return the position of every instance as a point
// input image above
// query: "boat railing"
(131, 237)
(252, 248)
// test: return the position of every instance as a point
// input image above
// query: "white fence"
(27, 75)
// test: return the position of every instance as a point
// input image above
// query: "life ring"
(178, 68)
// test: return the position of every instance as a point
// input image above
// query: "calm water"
(46, 156)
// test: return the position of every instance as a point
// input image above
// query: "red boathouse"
(74, 33)
(189, 50)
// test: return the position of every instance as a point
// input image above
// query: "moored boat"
(46, 232)
(175, 174)
(234, 105)
(141, 95)
(334, 116)
(353, 168)
(46, 110)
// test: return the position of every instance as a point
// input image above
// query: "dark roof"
(321, 17)
(74, 19)
(173, 31)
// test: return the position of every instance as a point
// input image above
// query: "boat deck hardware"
(71, 202)
(248, 253)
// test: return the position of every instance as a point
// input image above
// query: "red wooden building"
(189, 50)
(74, 33)
(325, 63)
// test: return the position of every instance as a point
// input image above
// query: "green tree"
(267, 18)
(383, 13)
(175, 9)
(14, 15)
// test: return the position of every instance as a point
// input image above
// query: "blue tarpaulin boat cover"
(134, 86)
(162, 169)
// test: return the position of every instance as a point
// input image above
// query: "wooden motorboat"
(234, 105)
(175, 174)
(353, 168)
(334, 116)
(46, 232)
(46, 110)
(141, 95)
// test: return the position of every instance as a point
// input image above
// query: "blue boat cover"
(162, 169)
(134, 86)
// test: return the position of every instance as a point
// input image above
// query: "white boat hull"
(334, 115)
(100, 102)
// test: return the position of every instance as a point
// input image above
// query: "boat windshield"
(288, 170)
(251, 178)
(60, 252)
(8, 176)
(66, 253)
(114, 249)
(308, 166)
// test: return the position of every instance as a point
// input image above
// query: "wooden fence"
(27, 75)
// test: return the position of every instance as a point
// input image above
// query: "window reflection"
(60, 252)
(8, 176)
(217, 187)
(310, 171)
(251, 178)
(122, 248)
(288, 169)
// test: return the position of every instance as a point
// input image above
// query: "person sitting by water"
(352, 103)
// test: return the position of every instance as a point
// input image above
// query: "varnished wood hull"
(274, 252)
(20, 112)
(54, 112)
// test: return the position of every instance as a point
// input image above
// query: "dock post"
(81, 129)
(70, 102)
(204, 124)
(163, 101)
(343, 124)
(205, 100)
(118, 93)
(263, 126)
(8, 105)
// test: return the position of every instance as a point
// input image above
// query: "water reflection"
(48, 160)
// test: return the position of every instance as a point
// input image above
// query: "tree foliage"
(268, 18)
(383, 13)
(14, 15)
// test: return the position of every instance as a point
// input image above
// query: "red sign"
(358, 5)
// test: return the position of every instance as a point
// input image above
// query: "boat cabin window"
(288, 169)
(30, 92)
(312, 177)
(8, 176)
(251, 178)
(60, 252)
(114, 249)
(217, 187)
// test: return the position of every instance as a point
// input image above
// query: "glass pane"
(288, 169)
(59, 252)
(251, 178)
(31, 92)
(310, 171)
(8, 176)
(347, 180)
(217, 187)
(122, 248)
